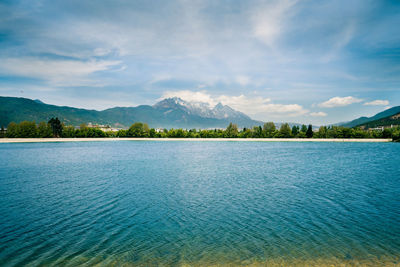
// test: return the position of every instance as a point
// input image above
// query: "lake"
(155, 203)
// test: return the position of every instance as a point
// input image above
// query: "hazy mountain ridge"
(362, 120)
(382, 122)
(168, 113)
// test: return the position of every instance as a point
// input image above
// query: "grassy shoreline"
(46, 140)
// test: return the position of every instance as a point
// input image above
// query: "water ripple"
(199, 204)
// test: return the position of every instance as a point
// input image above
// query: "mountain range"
(363, 120)
(392, 120)
(168, 113)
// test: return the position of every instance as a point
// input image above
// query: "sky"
(306, 61)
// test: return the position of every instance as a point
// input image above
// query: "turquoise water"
(149, 203)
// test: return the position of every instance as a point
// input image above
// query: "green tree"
(285, 131)
(246, 133)
(69, 132)
(146, 130)
(207, 133)
(27, 129)
(303, 128)
(192, 133)
(334, 132)
(95, 132)
(295, 130)
(231, 131)
(122, 133)
(44, 130)
(152, 133)
(396, 134)
(309, 132)
(257, 132)
(139, 129)
(301, 135)
(387, 133)
(179, 133)
(359, 133)
(322, 132)
(269, 129)
(56, 127)
(347, 132)
(12, 130)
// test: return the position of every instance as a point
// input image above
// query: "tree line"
(54, 128)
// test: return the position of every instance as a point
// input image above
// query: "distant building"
(379, 128)
(104, 128)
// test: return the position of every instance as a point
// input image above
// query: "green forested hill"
(14, 109)
(362, 120)
(387, 121)
(20, 109)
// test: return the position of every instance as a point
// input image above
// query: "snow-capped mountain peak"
(201, 109)
(225, 111)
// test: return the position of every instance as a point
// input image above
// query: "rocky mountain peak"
(201, 109)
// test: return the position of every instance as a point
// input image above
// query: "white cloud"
(318, 114)
(242, 80)
(339, 102)
(269, 20)
(245, 104)
(377, 103)
(199, 96)
(248, 105)
(57, 72)
(290, 110)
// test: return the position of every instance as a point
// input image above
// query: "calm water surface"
(149, 203)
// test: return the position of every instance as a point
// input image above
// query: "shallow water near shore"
(199, 204)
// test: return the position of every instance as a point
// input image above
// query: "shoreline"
(102, 139)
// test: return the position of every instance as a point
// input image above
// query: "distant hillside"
(20, 109)
(387, 121)
(363, 120)
(168, 113)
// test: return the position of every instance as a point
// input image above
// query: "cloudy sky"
(306, 61)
